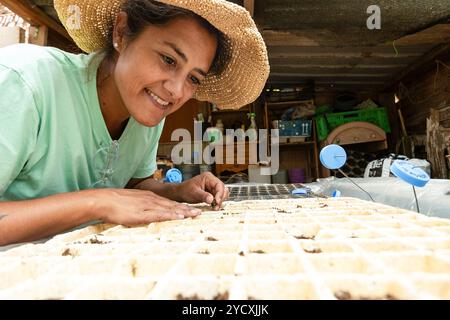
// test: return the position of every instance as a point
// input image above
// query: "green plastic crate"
(322, 127)
(326, 123)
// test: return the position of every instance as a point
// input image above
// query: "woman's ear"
(119, 31)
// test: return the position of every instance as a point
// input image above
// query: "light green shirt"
(53, 137)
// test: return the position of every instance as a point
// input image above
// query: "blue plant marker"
(336, 194)
(333, 156)
(300, 191)
(409, 173)
(174, 176)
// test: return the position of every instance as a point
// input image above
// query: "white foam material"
(267, 249)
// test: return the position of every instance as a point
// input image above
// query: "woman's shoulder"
(25, 57)
(53, 77)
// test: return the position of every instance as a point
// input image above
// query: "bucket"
(297, 175)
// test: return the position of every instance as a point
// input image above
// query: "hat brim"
(243, 78)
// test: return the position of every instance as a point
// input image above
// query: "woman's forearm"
(163, 189)
(30, 220)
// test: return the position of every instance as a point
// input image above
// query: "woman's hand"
(136, 207)
(203, 188)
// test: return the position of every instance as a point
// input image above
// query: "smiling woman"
(75, 130)
(155, 69)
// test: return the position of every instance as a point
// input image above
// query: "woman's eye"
(168, 60)
(195, 80)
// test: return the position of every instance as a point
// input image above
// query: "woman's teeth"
(158, 99)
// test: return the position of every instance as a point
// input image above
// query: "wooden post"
(316, 150)
(250, 6)
(387, 100)
(39, 35)
(438, 141)
(266, 116)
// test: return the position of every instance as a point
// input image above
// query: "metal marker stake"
(342, 172)
(411, 174)
(329, 158)
(417, 202)
(415, 195)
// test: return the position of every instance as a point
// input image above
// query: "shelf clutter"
(301, 122)
(298, 151)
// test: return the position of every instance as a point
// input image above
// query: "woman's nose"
(175, 87)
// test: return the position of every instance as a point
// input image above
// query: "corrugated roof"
(9, 19)
(329, 42)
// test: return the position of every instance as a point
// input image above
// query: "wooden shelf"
(306, 143)
(230, 111)
(234, 142)
(285, 103)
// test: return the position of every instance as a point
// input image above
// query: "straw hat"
(243, 78)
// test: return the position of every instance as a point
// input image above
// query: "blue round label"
(333, 156)
(409, 173)
(174, 176)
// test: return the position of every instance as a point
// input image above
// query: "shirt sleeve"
(19, 122)
(148, 166)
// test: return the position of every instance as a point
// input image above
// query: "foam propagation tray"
(309, 248)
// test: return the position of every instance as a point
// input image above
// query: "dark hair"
(143, 13)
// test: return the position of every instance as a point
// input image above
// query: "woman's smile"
(156, 101)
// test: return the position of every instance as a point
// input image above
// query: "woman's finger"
(178, 208)
(159, 216)
(218, 190)
(227, 193)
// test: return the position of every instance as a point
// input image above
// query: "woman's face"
(160, 70)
